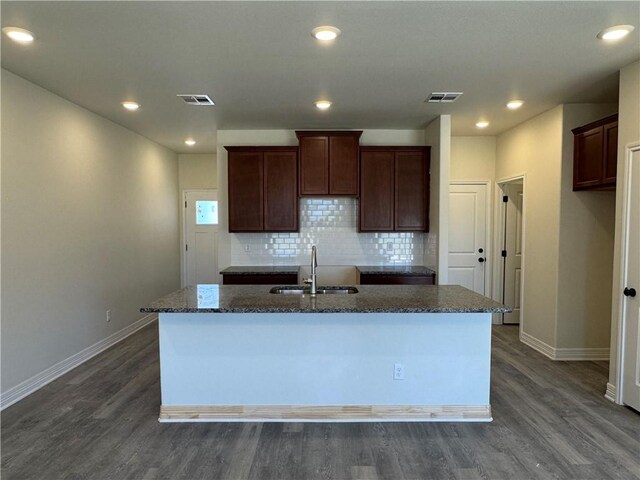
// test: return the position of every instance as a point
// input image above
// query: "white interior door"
(513, 248)
(201, 237)
(631, 303)
(468, 236)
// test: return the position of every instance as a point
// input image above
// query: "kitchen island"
(386, 353)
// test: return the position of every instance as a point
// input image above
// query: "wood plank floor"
(100, 422)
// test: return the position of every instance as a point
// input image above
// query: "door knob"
(480, 250)
(482, 260)
(629, 292)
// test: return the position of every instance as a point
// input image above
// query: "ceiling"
(259, 63)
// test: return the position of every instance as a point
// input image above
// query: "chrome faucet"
(314, 272)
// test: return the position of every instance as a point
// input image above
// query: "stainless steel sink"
(322, 290)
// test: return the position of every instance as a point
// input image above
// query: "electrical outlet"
(390, 247)
(398, 371)
(108, 315)
(247, 247)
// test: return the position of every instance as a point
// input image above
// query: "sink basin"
(322, 290)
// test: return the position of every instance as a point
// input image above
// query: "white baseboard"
(564, 354)
(539, 345)
(41, 379)
(581, 354)
(611, 392)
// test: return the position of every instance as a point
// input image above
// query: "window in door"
(206, 212)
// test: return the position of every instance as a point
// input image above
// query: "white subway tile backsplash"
(331, 224)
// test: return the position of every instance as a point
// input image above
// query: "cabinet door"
(343, 165)
(275, 279)
(280, 191)
(245, 192)
(411, 173)
(397, 280)
(376, 191)
(314, 165)
(587, 165)
(610, 159)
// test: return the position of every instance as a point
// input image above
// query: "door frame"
(498, 262)
(488, 217)
(622, 276)
(183, 230)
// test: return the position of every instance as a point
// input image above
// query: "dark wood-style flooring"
(100, 421)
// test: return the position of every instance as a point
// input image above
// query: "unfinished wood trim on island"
(319, 413)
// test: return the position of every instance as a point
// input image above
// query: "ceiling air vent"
(196, 99)
(443, 97)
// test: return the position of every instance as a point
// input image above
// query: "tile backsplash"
(331, 224)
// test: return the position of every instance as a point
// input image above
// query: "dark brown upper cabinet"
(328, 162)
(376, 191)
(263, 189)
(394, 189)
(411, 191)
(595, 155)
(246, 190)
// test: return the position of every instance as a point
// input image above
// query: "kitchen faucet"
(314, 268)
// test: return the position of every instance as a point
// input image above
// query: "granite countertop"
(370, 299)
(271, 270)
(403, 270)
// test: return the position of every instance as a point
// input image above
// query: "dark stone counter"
(370, 299)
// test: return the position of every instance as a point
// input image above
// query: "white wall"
(438, 135)
(587, 221)
(89, 223)
(628, 132)
(568, 235)
(196, 171)
(347, 249)
(534, 148)
(473, 158)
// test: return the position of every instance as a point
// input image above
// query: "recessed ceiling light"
(323, 104)
(482, 124)
(190, 141)
(19, 35)
(131, 105)
(615, 33)
(515, 104)
(326, 32)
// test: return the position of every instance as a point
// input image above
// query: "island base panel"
(325, 367)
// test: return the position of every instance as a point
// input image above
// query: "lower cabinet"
(269, 279)
(377, 279)
(263, 189)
